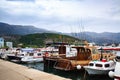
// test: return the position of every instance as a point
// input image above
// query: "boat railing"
(67, 67)
(59, 65)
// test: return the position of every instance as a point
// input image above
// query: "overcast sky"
(63, 15)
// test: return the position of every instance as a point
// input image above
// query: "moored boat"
(116, 73)
(100, 67)
(33, 57)
(72, 58)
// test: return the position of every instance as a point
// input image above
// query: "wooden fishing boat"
(81, 58)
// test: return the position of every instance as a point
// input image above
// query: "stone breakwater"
(12, 71)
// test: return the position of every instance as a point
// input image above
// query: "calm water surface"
(74, 75)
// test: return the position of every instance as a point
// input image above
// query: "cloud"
(61, 15)
(22, 0)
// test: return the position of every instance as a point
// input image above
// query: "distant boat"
(22, 55)
(33, 57)
(7, 54)
(100, 67)
(110, 48)
(18, 54)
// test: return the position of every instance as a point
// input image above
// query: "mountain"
(7, 29)
(99, 38)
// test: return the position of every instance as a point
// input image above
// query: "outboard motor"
(116, 73)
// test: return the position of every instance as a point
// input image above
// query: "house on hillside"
(9, 44)
(1, 42)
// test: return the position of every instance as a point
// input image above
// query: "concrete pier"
(12, 71)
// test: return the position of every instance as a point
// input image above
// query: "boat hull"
(96, 71)
(27, 59)
(13, 57)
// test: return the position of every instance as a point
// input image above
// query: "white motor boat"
(100, 67)
(33, 57)
(116, 73)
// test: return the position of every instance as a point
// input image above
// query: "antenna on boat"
(81, 33)
(73, 33)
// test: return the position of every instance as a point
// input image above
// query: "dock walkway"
(12, 71)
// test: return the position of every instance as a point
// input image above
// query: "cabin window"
(98, 65)
(91, 64)
(39, 54)
(22, 54)
(30, 54)
(118, 57)
(107, 65)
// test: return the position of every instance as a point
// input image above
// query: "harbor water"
(74, 75)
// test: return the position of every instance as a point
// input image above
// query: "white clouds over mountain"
(63, 15)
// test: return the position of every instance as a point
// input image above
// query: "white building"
(1, 42)
(9, 44)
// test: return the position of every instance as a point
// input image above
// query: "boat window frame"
(22, 55)
(108, 65)
(117, 58)
(98, 65)
(91, 63)
(31, 54)
(39, 54)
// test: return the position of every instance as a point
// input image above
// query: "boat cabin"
(100, 64)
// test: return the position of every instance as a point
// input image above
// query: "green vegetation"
(39, 40)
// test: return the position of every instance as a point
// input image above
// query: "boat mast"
(101, 54)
